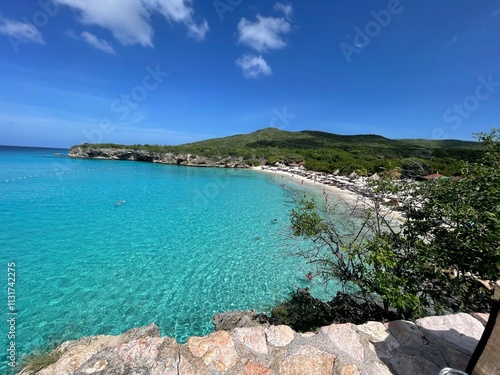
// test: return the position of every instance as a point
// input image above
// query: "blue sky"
(176, 71)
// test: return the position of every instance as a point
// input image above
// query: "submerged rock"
(238, 319)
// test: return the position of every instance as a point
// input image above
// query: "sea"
(92, 247)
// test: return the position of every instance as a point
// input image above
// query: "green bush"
(448, 225)
(302, 312)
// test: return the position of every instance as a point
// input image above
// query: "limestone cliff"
(400, 347)
(156, 157)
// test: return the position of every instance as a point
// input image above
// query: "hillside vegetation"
(443, 255)
(328, 152)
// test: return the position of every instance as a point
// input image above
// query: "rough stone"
(253, 338)
(413, 365)
(412, 343)
(238, 319)
(345, 340)
(399, 347)
(307, 334)
(455, 336)
(482, 317)
(253, 368)
(279, 335)
(347, 370)
(217, 350)
(308, 360)
(156, 157)
(378, 333)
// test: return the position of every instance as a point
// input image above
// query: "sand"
(347, 197)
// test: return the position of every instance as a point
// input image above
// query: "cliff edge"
(156, 157)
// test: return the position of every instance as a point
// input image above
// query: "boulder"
(238, 319)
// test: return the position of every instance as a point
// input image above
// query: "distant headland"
(317, 151)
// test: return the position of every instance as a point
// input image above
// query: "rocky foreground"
(156, 157)
(400, 347)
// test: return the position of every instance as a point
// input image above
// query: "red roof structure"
(434, 176)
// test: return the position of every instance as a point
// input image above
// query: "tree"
(459, 222)
(449, 238)
(391, 170)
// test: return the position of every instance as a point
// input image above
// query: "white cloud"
(180, 11)
(198, 31)
(286, 9)
(92, 40)
(266, 33)
(254, 66)
(95, 42)
(21, 31)
(130, 20)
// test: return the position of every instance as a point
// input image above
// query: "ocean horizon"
(103, 246)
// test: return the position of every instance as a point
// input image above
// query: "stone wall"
(400, 347)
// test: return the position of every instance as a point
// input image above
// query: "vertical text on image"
(11, 313)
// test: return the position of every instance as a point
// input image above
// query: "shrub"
(39, 359)
(448, 225)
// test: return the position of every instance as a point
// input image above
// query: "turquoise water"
(186, 244)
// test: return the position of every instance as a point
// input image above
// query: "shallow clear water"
(186, 244)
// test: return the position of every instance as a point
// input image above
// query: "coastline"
(316, 186)
(346, 197)
(353, 192)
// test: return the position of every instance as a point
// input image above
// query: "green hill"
(327, 152)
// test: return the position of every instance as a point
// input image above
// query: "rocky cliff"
(156, 157)
(400, 347)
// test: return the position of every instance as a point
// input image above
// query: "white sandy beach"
(345, 196)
